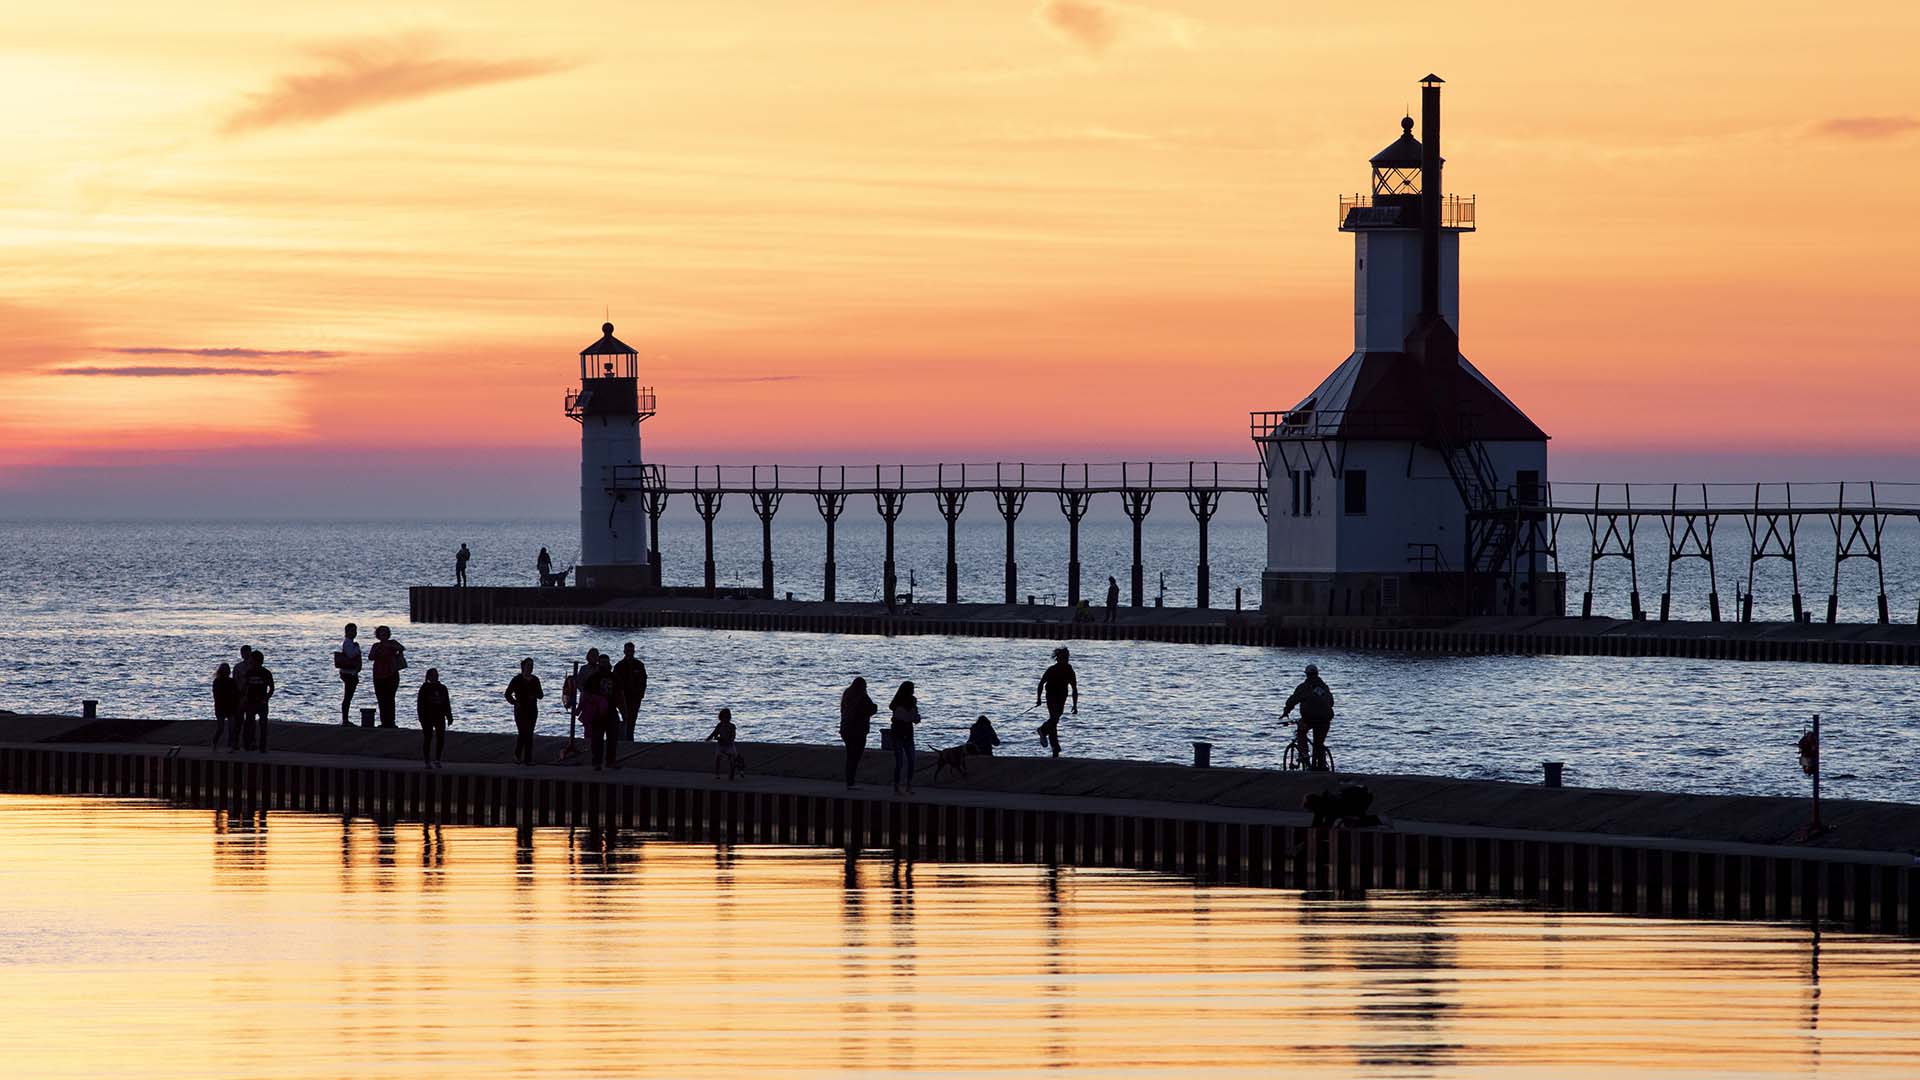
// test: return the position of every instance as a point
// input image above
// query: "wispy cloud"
(1097, 27)
(367, 73)
(226, 353)
(155, 371)
(1868, 127)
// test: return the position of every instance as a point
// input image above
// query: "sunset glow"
(992, 230)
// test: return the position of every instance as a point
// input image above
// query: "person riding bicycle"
(1316, 716)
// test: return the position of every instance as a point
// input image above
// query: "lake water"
(142, 940)
(137, 616)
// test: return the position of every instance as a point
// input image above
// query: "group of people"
(241, 699)
(605, 695)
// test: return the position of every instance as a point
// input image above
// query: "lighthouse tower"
(609, 406)
(1402, 483)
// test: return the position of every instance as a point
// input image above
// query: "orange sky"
(1001, 230)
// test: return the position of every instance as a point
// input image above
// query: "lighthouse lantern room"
(1405, 482)
(609, 406)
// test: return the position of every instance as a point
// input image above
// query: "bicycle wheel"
(1290, 758)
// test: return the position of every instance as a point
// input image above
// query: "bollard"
(1553, 772)
(89, 709)
(1202, 754)
(1236, 598)
(366, 717)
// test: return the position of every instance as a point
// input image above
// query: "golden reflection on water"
(149, 941)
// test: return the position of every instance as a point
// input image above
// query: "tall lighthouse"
(609, 405)
(1405, 482)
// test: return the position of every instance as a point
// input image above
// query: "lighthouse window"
(1294, 477)
(1356, 480)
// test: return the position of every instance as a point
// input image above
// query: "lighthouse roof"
(1401, 153)
(1388, 395)
(608, 345)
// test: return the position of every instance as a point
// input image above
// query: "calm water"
(137, 616)
(142, 940)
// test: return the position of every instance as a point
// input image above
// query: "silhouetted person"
(238, 737)
(347, 660)
(460, 565)
(1113, 598)
(1316, 718)
(525, 694)
(545, 563)
(256, 691)
(728, 752)
(906, 713)
(597, 712)
(856, 723)
(629, 689)
(388, 657)
(226, 704)
(981, 738)
(1055, 684)
(436, 712)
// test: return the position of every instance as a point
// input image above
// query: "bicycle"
(1290, 758)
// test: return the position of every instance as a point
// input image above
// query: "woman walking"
(226, 704)
(906, 713)
(525, 693)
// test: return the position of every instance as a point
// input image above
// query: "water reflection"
(168, 943)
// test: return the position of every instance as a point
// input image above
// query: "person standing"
(545, 564)
(226, 704)
(630, 689)
(1316, 718)
(436, 712)
(906, 713)
(524, 693)
(1113, 598)
(727, 752)
(347, 660)
(389, 657)
(597, 712)
(238, 737)
(460, 565)
(1057, 681)
(256, 691)
(856, 723)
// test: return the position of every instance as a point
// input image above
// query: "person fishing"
(1315, 701)
(1055, 684)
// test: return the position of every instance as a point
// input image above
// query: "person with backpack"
(525, 694)
(256, 690)
(388, 656)
(346, 660)
(1315, 701)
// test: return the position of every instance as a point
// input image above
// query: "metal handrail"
(1459, 212)
(1248, 476)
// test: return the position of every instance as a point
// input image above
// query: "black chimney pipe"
(1430, 196)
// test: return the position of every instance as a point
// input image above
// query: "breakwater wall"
(1505, 636)
(1091, 813)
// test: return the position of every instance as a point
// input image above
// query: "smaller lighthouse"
(609, 406)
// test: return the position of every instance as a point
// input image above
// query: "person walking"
(256, 691)
(856, 723)
(629, 689)
(1113, 598)
(226, 704)
(524, 693)
(436, 712)
(545, 564)
(389, 657)
(1055, 683)
(346, 660)
(460, 565)
(728, 751)
(906, 713)
(1316, 718)
(597, 712)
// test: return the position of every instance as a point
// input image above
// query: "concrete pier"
(1581, 849)
(1513, 635)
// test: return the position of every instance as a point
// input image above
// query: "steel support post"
(1203, 503)
(1137, 502)
(830, 504)
(889, 503)
(951, 504)
(765, 505)
(1010, 501)
(656, 506)
(1074, 505)
(708, 504)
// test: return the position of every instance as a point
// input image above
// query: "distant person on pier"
(346, 660)
(1113, 598)
(856, 723)
(1315, 701)
(524, 693)
(1055, 684)
(545, 564)
(436, 712)
(629, 689)
(728, 752)
(460, 565)
(906, 713)
(226, 704)
(388, 656)
(256, 691)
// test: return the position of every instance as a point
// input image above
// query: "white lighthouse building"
(1401, 484)
(609, 406)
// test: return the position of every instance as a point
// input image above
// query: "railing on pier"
(1359, 211)
(1171, 476)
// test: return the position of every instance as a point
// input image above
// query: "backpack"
(1318, 704)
